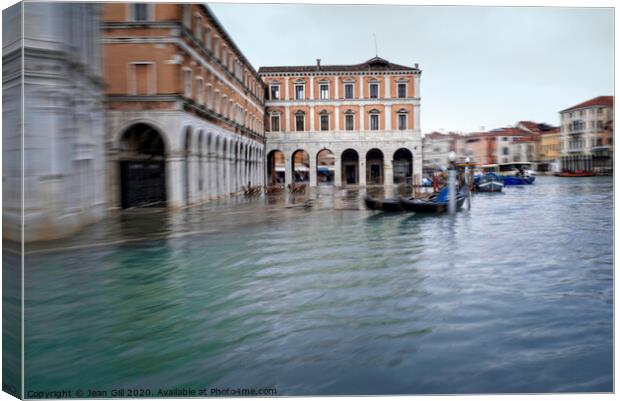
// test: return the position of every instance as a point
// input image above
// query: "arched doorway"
(275, 167)
(350, 170)
(325, 166)
(403, 166)
(374, 167)
(301, 166)
(143, 167)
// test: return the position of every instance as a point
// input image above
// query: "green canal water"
(514, 295)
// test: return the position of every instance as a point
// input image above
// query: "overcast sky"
(481, 66)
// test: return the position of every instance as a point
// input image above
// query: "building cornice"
(339, 73)
(354, 102)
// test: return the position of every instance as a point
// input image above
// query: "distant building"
(549, 150)
(355, 124)
(435, 149)
(586, 135)
(479, 147)
(63, 129)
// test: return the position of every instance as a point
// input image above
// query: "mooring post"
(468, 183)
(451, 184)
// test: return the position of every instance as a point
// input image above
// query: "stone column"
(286, 95)
(337, 118)
(336, 88)
(388, 117)
(416, 86)
(311, 118)
(417, 169)
(362, 118)
(312, 167)
(192, 179)
(288, 170)
(362, 172)
(388, 88)
(287, 118)
(388, 172)
(361, 86)
(416, 118)
(175, 164)
(311, 88)
(338, 171)
(211, 175)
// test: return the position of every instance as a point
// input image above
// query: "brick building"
(185, 107)
(354, 124)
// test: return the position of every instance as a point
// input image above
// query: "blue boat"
(518, 180)
(517, 173)
(489, 182)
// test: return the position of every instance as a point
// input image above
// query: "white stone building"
(63, 119)
(586, 136)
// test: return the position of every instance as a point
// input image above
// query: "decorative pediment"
(374, 111)
(349, 111)
(300, 113)
(378, 62)
(324, 112)
(402, 111)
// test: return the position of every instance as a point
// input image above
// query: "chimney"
(318, 63)
(416, 65)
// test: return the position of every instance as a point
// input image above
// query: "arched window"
(374, 119)
(402, 119)
(349, 120)
(324, 120)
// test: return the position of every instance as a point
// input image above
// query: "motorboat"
(490, 182)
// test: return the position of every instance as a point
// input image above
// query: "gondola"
(434, 204)
(384, 205)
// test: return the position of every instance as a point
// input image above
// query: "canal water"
(325, 297)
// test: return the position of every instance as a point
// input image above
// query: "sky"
(481, 66)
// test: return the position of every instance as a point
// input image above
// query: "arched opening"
(301, 166)
(325, 166)
(143, 167)
(403, 166)
(186, 164)
(350, 170)
(276, 167)
(374, 167)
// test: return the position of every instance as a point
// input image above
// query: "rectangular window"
(200, 98)
(299, 92)
(348, 91)
(275, 123)
(324, 91)
(324, 122)
(197, 27)
(208, 38)
(142, 77)
(299, 122)
(348, 120)
(187, 83)
(374, 122)
(504, 151)
(402, 90)
(402, 121)
(599, 124)
(374, 90)
(275, 92)
(140, 12)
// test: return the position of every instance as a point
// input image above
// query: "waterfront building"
(549, 150)
(184, 106)
(354, 124)
(478, 146)
(586, 135)
(62, 152)
(435, 149)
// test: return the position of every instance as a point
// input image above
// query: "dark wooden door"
(143, 183)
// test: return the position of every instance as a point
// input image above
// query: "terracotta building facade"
(343, 124)
(184, 107)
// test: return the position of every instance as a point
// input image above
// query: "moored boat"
(575, 174)
(434, 204)
(384, 205)
(518, 180)
(490, 182)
